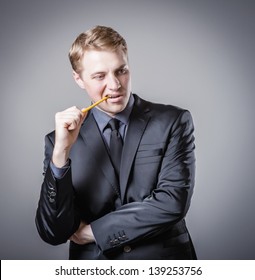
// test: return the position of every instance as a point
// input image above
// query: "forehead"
(94, 59)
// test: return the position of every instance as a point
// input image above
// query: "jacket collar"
(139, 119)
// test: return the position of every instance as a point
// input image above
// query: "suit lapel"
(138, 122)
(93, 140)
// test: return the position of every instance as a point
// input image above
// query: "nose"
(113, 83)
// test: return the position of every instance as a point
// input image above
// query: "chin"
(115, 109)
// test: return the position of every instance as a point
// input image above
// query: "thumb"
(84, 115)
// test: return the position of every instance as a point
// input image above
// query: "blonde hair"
(96, 38)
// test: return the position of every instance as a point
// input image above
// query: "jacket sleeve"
(56, 218)
(167, 204)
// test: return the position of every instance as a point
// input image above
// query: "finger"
(84, 115)
(71, 119)
(74, 238)
(74, 122)
(77, 120)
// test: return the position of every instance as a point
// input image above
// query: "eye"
(99, 77)
(122, 71)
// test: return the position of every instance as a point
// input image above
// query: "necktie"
(116, 144)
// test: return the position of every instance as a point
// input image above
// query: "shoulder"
(50, 137)
(164, 111)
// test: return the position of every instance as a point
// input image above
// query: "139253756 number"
(175, 270)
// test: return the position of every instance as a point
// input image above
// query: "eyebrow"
(102, 72)
(122, 66)
(97, 73)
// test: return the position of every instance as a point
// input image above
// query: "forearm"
(60, 156)
(56, 218)
(140, 220)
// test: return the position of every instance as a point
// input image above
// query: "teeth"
(111, 96)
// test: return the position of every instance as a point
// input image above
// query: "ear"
(78, 80)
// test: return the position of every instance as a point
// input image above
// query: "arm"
(56, 218)
(166, 205)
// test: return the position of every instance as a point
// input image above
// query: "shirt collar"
(102, 118)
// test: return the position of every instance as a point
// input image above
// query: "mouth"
(114, 97)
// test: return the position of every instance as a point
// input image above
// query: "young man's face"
(106, 73)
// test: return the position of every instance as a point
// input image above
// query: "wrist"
(60, 157)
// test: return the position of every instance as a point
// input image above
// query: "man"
(132, 209)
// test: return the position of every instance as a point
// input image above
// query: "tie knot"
(114, 124)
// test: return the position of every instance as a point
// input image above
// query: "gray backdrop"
(195, 54)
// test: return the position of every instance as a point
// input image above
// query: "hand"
(83, 235)
(67, 127)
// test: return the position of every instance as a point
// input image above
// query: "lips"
(115, 97)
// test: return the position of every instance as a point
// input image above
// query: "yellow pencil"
(94, 104)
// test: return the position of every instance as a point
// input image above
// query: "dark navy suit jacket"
(140, 217)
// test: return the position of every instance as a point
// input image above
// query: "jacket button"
(127, 249)
(52, 193)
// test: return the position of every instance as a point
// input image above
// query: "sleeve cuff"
(59, 173)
